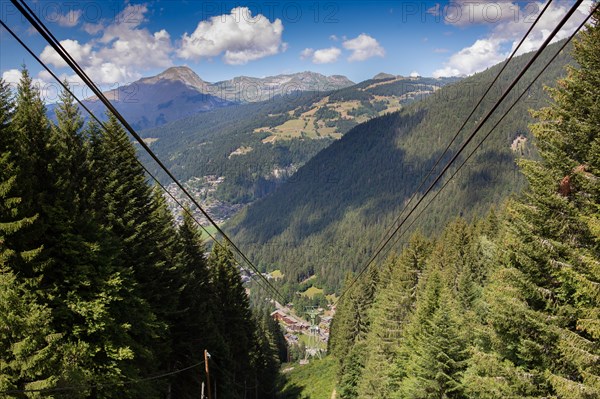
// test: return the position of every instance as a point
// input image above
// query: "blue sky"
(118, 42)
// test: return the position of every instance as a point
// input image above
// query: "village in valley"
(309, 332)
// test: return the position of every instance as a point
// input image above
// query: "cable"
(470, 138)
(81, 387)
(497, 123)
(49, 37)
(82, 104)
(439, 159)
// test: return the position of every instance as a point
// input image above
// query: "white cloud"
(239, 36)
(93, 29)
(67, 20)
(482, 54)
(363, 47)
(47, 88)
(488, 51)
(326, 55)
(80, 53)
(12, 76)
(122, 52)
(414, 74)
(307, 53)
(334, 38)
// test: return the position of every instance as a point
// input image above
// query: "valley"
(250, 208)
(251, 149)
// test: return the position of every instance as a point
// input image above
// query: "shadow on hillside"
(291, 392)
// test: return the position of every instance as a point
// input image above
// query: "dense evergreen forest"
(329, 217)
(100, 292)
(505, 306)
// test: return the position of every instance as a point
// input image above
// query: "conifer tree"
(389, 316)
(27, 341)
(434, 347)
(235, 322)
(193, 323)
(350, 334)
(544, 305)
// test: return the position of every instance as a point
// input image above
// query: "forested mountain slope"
(235, 155)
(506, 306)
(327, 219)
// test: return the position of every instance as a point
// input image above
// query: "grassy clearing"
(312, 291)
(276, 274)
(315, 380)
(210, 229)
(306, 339)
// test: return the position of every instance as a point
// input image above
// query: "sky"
(118, 41)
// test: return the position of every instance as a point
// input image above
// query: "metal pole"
(206, 357)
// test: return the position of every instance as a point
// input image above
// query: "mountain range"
(179, 92)
(234, 155)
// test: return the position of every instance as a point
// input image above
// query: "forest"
(102, 295)
(327, 219)
(504, 306)
(496, 294)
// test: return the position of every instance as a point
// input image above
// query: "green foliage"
(98, 286)
(315, 380)
(506, 306)
(328, 217)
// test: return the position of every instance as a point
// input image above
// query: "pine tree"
(193, 323)
(235, 323)
(544, 302)
(27, 341)
(351, 330)
(127, 210)
(389, 315)
(435, 350)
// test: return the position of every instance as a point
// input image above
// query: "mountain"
(327, 219)
(235, 155)
(383, 75)
(178, 92)
(246, 89)
(181, 74)
(173, 94)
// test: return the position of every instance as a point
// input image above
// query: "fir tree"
(235, 322)
(545, 305)
(435, 346)
(389, 316)
(27, 341)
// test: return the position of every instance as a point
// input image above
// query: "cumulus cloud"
(488, 51)
(68, 20)
(239, 37)
(482, 54)
(321, 56)
(121, 53)
(48, 88)
(12, 76)
(93, 29)
(326, 55)
(307, 53)
(414, 74)
(80, 53)
(363, 47)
